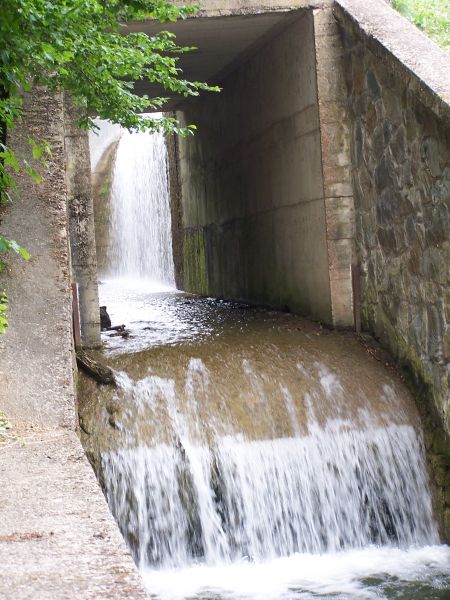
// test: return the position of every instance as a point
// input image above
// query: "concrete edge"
(385, 30)
(250, 8)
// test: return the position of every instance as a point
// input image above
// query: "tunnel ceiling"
(221, 42)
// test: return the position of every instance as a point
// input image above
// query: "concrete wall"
(220, 8)
(401, 172)
(81, 224)
(53, 511)
(102, 175)
(336, 166)
(36, 351)
(66, 188)
(252, 186)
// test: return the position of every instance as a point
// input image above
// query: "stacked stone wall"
(401, 177)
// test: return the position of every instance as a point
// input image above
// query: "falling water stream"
(140, 231)
(248, 453)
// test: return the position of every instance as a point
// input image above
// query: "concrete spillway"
(242, 457)
(240, 440)
(383, 112)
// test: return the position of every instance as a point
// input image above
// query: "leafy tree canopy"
(80, 46)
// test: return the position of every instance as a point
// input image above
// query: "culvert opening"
(236, 452)
(250, 182)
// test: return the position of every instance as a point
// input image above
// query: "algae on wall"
(195, 262)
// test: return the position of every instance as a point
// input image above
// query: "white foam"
(340, 573)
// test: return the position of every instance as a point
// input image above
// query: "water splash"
(248, 461)
(365, 574)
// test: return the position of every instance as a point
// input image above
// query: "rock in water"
(105, 321)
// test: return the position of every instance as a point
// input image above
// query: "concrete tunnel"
(262, 201)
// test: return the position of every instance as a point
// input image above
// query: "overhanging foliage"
(81, 46)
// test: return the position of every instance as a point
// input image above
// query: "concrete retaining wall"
(253, 194)
(398, 82)
(35, 354)
(57, 536)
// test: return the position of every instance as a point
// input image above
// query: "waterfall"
(197, 494)
(329, 491)
(140, 236)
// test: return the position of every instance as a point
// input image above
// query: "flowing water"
(140, 227)
(252, 454)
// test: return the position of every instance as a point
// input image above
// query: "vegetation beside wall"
(80, 47)
(431, 16)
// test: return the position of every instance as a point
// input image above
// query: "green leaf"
(24, 253)
(3, 319)
(33, 173)
(79, 47)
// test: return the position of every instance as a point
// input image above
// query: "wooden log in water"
(120, 333)
(116, 328)
(94, 369)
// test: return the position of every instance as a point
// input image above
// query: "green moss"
(104, 190)
(195, 262)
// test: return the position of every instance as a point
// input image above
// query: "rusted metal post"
(76, 317)
(356, 297)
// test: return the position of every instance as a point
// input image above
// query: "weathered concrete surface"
(81, 224)
(57, 537)
(35, 354)
(220, 8)
(251, 182)
(222, 43)
(398, 86)
(173, 164)
(101, 191)
(334, 128)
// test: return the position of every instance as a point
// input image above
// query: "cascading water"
(330, 490)
(140, 223)
(248, 454)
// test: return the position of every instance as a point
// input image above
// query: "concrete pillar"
(81, 225)
(336, 165)
(36, 379)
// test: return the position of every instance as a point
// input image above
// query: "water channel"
(247, 453)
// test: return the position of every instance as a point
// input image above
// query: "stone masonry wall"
(401, 176)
